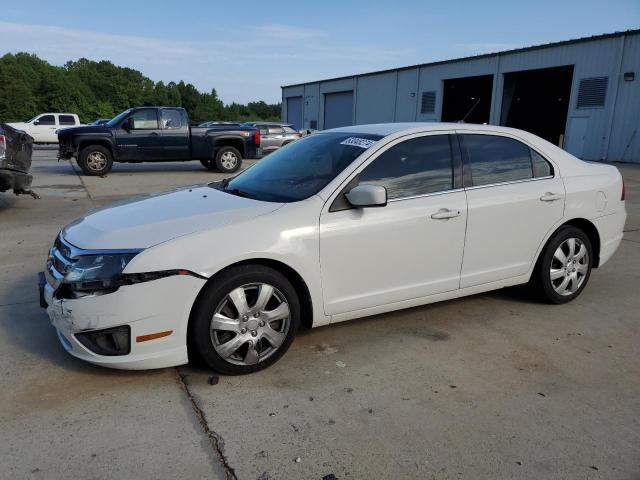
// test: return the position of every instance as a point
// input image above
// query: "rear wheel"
(245, 320)
(95, 160)
(564, 267)
(228, 160)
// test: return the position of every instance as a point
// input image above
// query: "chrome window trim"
(475, 187)
(431, 194)
(511, 182)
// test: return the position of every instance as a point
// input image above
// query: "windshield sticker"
(358, 142)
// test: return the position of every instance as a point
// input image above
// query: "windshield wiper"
(237, 192)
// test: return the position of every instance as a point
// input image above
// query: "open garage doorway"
(467, 99)
(538, 101)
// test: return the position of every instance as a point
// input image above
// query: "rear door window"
(495, 159)
(411, 168)
(67, 120)
(47, 120)
(541, 167)
(171, 119)
(275, 130)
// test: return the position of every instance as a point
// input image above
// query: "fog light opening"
(108, 342)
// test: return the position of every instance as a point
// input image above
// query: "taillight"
(256, 139)
(622, 194)
(3, 145)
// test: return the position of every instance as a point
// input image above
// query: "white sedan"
(342, 224)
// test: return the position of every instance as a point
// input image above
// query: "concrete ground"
(492, 386)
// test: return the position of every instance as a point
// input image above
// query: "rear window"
(67, 120)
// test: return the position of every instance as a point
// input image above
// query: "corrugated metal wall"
(609, 132)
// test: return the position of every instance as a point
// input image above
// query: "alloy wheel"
(250, 324)
(96, 161)
(569, 266)
(229, 160)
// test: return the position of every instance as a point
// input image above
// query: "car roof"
(386, 129)
(270, 123)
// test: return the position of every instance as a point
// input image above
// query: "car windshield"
(118, 118)
(301, 169)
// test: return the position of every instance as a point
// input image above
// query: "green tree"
(29, 86)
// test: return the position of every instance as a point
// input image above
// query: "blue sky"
(247, 49)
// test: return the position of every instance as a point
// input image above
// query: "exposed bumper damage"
(16, 148)
(66, 150)
(14, 180)
(146, 309)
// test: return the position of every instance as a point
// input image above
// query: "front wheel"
(245, 320)
(564, 266)
(95, 160)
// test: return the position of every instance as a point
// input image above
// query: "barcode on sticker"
(358, 142)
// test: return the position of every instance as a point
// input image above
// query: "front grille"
(61, 258)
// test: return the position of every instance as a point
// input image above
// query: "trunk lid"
(16, 149)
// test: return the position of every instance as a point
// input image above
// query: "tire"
(95, 160)
(235, 341)
(571, 270)
(228, 160)
(209, 164)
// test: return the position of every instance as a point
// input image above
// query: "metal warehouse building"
(582, 94)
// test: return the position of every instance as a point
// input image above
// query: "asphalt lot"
(492, 386)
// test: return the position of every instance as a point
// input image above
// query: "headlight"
(91, 273)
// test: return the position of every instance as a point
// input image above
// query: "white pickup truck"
(43, 127)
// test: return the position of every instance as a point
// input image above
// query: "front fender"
(289, 235)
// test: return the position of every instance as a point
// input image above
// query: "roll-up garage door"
(338, 109)
(294, 112)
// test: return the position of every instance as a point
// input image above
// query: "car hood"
(147, 221)
(84, 129)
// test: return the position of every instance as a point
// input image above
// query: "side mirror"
(37, 122)
(128, 124)
(364, 196)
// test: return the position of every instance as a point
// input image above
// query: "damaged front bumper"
(66, 151)
(152, 317)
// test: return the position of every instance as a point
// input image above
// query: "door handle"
(550, 197)
(445, 214)
(154, 134)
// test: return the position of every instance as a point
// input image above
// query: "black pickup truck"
(157, 134)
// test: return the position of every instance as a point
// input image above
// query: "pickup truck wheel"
(95, 160)
(228, 160)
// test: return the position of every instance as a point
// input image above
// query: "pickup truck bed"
(157, 134)
(15, 159)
